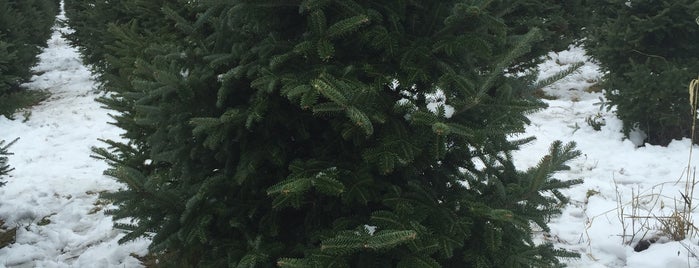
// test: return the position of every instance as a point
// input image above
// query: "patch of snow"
(438, 101)
(637, 137)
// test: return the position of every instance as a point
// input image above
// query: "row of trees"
(24, 28)
(298, 133)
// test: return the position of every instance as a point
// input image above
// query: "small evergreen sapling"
(4, 165)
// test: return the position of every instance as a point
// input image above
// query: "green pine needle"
(347, 25)
(558, 76)
(389, 239)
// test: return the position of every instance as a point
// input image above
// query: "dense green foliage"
(298, 133)
(96, 41)
(24, 28)
(649, 51)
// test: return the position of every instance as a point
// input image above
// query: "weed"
(678, 225)
(590, 193)
(596, 121)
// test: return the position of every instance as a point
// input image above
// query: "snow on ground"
(626, 187)
(52, 195)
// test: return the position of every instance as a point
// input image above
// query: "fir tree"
(648, 50)
(562, 22)
(24, 28)
(4, 166)
(94, 22)
(299, 135)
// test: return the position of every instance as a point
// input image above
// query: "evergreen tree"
(562, 22)
(299, 133)
(7, 57)
(92, 21)
(24, 28)
(4, 166)
(648, 51)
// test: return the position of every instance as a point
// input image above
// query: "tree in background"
(328, 133)
(95, 40)
(24, 28)
(648, 50)
(563, 23)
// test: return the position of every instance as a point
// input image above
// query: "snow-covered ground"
(626, 187)
(52, 196)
